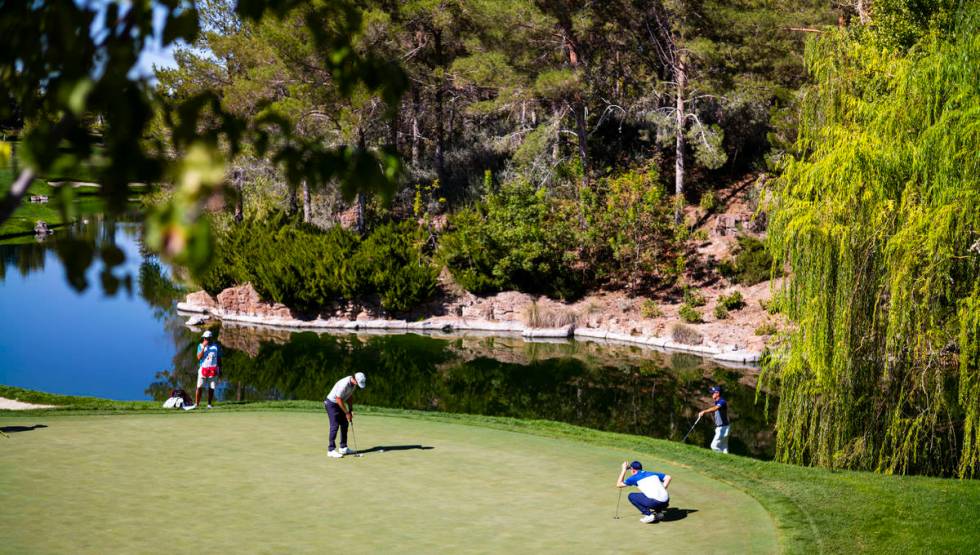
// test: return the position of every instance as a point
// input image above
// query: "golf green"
(260, 482)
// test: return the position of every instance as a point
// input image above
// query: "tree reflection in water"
(598, 386)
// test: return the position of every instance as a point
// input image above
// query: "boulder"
(244, 299)
(200, 299)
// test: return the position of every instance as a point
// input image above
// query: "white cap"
(207, 334)
(361, 379)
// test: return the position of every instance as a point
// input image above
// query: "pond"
(75, 339)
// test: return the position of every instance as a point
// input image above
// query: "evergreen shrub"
(751, 264)
(306, 268)
(515, 238)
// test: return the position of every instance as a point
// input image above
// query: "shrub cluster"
(751, 264)
(690, 314)
(306, 268)
(620, 232)
(735, 301)
(515, 238)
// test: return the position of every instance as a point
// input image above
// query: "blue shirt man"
(722, 425)
(652, 498)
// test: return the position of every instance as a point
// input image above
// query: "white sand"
(10, 404)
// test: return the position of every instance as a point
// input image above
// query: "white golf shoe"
(335, 454)
(652, 517)
(346, 451)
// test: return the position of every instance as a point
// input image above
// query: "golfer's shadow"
(672, 514)
(15, 429)
(379, 448)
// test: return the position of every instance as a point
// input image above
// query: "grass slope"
(814, 510)
(260, 482)
(27, 214)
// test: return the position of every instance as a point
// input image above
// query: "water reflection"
(598, 386)
(73, 338)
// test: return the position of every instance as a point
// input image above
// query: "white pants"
(720, 443)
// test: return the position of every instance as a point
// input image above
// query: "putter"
(353, 438)
(692, 429)
(617, 504)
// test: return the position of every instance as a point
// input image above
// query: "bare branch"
(16, 192)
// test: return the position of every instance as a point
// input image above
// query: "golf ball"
(382, 451)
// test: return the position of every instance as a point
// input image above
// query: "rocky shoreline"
(507, 313)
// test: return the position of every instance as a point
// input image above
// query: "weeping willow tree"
(878, 217)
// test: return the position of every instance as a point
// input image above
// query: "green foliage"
(650, 309)
(721, 311)
(733, 301)
(630, 237)
(390, 263)
(306, 268)
(708, 201)
(693, 297)
(690, 314)
(877, 216)
(84, 102)
(515, 239)
(751, 263)
(767, 328)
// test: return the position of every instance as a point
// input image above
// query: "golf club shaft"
(692, 429)
(618, 501)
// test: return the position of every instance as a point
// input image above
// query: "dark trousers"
(337, 420)
(646, 505)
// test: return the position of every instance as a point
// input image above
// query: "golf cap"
(207, 334)
(635, 465)
(361, 379)
(715, 389)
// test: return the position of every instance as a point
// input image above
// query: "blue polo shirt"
(721, 415)
(650, 483)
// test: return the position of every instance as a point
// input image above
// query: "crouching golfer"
(340, 411)
(652, 498)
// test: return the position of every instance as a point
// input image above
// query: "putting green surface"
(260, 482)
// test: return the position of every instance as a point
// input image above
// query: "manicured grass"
(249, 481)
(813, 510)
(27, 214)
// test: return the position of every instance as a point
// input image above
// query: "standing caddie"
(341, 411)
(722, 425)
(209, 368)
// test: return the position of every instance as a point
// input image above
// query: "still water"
(77, 339)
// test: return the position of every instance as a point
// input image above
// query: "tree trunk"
(440, 124)
(861, 7)
(307, 208)
(393, 128)
(415, 127)
(359, 222)
(583, 137)
(239, 195)
(680, 76)
(292, 205)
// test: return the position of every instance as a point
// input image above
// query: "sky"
(155, 54)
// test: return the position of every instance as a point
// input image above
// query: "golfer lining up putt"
(652, 498)
(341, 413)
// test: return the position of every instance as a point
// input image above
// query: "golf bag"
(178, 399)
